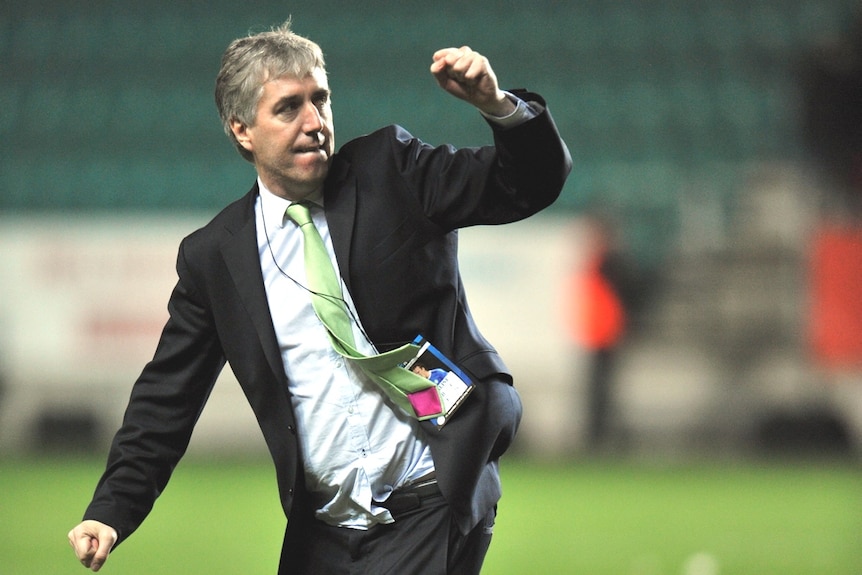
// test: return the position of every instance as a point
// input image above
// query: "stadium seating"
(111, 108)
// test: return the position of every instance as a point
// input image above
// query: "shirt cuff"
(523, 111)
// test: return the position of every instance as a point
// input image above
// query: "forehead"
(288, 83)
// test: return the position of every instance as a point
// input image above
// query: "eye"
(321, 99)
(288, 108)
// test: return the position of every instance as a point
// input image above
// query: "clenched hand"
(92, 542)
(468, 75)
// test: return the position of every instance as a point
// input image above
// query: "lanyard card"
(452, 383)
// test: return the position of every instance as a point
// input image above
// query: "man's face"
(420, 370)
(292, 136)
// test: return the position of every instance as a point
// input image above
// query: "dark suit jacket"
(393, 205)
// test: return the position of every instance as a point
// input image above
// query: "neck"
(293, 194)
(313, 195)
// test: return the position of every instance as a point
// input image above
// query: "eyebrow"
(298, 98)
(286, 100)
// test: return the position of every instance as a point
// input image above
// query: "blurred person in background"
(605, 295)
(366, 487)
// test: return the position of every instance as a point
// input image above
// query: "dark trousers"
(421, 542)
(599, 397)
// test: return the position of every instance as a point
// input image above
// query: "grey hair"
(249, 62)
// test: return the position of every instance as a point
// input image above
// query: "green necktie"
(413, 393)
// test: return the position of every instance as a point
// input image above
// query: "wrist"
(501, 107)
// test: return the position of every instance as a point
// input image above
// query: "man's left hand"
(468, 75)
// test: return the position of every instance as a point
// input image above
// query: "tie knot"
(298, 212)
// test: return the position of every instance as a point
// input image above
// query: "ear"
(241, 133)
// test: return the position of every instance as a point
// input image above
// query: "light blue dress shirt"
(357, 447)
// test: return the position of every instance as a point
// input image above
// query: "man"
(366, 487)
(435, 374)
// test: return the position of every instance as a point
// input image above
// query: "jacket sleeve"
(521, 174)
(164, 406)
(532, 161)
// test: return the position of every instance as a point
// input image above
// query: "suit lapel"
(240, 256)
(339, 199)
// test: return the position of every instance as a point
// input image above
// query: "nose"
(312, 119)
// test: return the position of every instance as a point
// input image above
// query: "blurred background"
(696, 287)
(694, 292)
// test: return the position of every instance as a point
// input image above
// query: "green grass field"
(593, 518)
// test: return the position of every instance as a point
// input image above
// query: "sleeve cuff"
(523, 111)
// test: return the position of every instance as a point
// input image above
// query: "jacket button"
(291, 429)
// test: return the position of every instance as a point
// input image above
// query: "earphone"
(341, 300)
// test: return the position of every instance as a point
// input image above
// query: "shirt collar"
(273, 207)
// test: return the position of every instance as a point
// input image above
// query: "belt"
(411, 497)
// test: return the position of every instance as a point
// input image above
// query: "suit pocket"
(506, 404)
